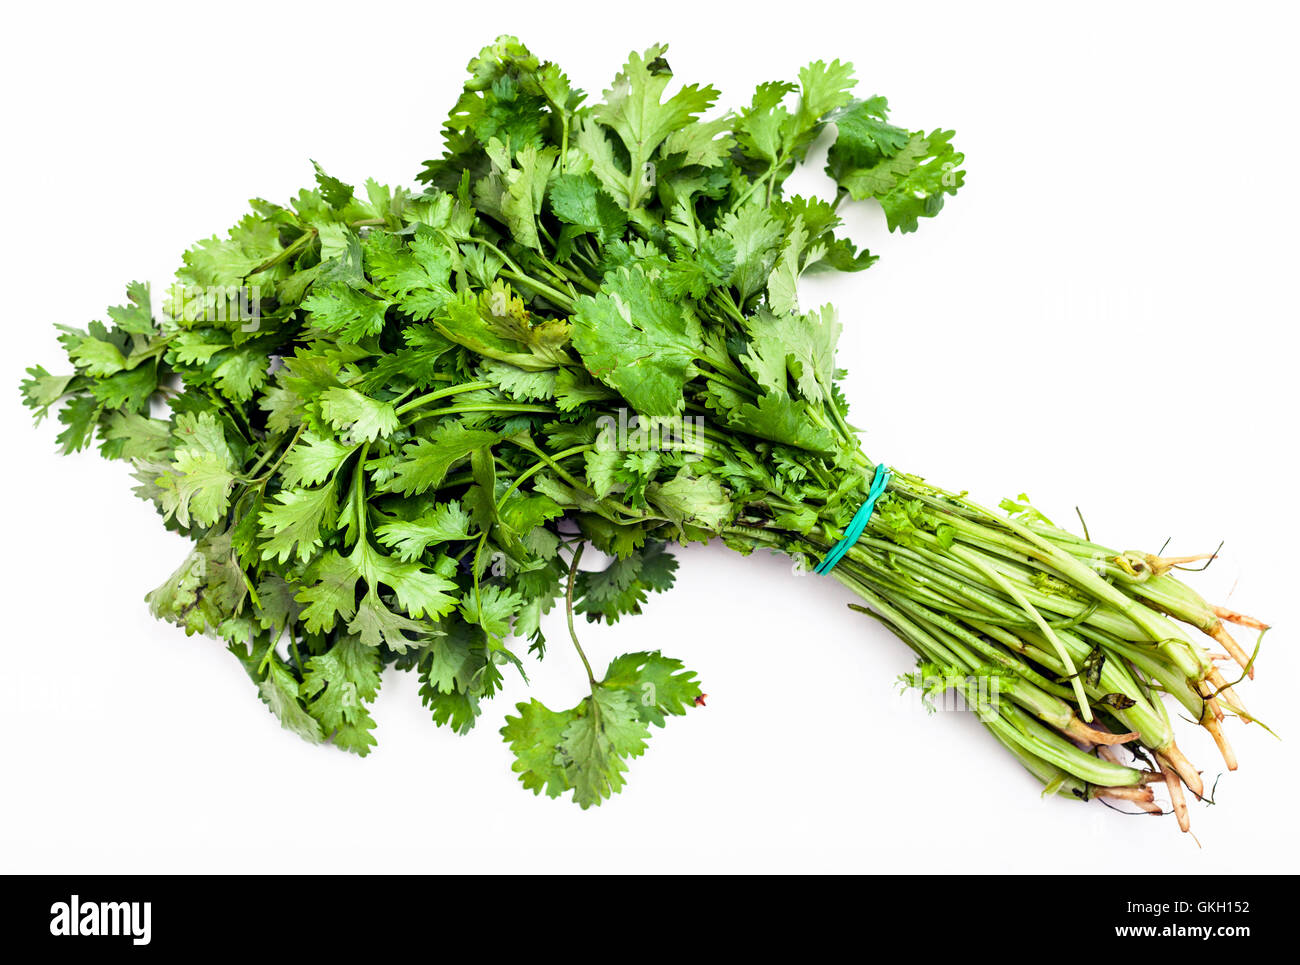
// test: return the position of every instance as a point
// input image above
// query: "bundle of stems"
(1064, 647)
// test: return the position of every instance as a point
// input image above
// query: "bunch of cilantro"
(390, 420)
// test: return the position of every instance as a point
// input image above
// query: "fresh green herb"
(391, 420)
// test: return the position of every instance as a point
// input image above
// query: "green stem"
(442, 394)
(568, 612)
(494, 407)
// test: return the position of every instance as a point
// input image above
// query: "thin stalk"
(568, 613)
(442, 394)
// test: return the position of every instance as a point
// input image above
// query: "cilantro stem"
(442, 394)
(270, 651)
(517, 275)
(494, 407)
(538, 467)
(609, 502)
(579, 277)
(569, 478)
(477, 573)
(272, 449)
(560, 299)
(568, 613)
(237, 417)
(283, 452)
(359, 493)
(292, 248)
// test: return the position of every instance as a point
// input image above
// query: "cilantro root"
(391, 420)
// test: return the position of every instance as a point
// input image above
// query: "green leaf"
(357, 417)
(241, 374)
(761, 127)
(135, 437)
(335, 192)
(637, 340)
(313, 459)
(343, 311)
(755, 236)
(634, 111)
(98, 358)
(493, 608)
(294, 524)
(912, 183)
(329, 592)
(591, 139)
(227, 263)
(781, 419)
(623, 586)
(425, 462)
(279, 691)
(824, 87)
(276, 607)
(338, 683)
(596, 744)
(535, 737)
(129, 390)
(520, 384)
(417, 275)
(802, 344)
(376, 625)
(135, 317)
(705, 143)
(196, 487)
(659, 686)
(863, 137)
(79, 417)
(579, 200)
(446, 522)
(695, 499)
(41, 390)
(513, 193)
(585, 750)
(783, 282)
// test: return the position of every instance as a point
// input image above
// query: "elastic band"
(858, 523)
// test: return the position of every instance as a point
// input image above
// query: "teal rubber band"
(858, 523)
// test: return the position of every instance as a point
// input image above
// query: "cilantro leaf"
(634, 338)
(425, 462)
(585, 750)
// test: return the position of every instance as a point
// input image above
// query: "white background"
(1104, 317)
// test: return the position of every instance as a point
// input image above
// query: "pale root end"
(1153, 777)
(1160, 565)
(1221, 634)
(1232, 616)
(1082, 732)
(1107, 753)
(1141, 796)
(1216, 731)
(1224, 692)
(1182, 767)
(1176, 795)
